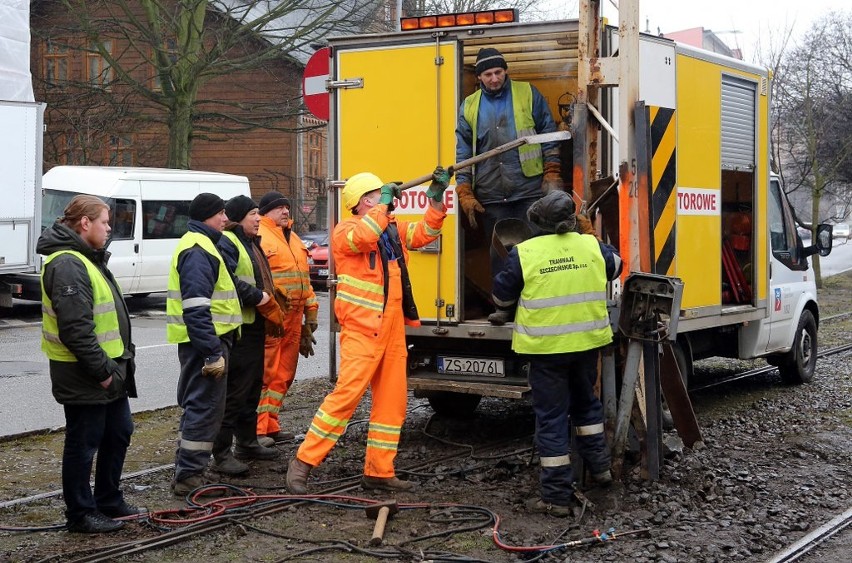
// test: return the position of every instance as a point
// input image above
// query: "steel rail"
(766, 369)
(797, 550)
(219, 522)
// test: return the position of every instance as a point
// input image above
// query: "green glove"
(389, 192)
(440, 181)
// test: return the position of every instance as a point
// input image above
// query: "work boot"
(229, 465)
(122, 510)
(540, 506)
(297, 476)
(254, 451)
(281, 436)
(603, 478)
(185, 486)
(265, 441)
(95, 523)
(501, 317)
(385, 484)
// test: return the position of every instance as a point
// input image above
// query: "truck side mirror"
(822, 241)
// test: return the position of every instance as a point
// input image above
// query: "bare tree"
(812, 130)
(187, 44)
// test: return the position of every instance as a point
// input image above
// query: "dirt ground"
(775, 463)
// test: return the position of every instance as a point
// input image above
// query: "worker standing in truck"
(288, 260)
(558, 282)
(374, 303)
(500, 111)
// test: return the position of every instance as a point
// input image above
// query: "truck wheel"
(451, 404)
(799, 363)
(682, 351)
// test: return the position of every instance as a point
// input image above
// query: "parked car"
(841, 230)
(317, 244)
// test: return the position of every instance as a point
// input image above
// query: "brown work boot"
(385, 484)
(281, 436)
(297, 476)
(540, 506)
(229, 465)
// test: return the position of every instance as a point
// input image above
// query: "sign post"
(313, 84)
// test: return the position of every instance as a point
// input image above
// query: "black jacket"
(66, 281)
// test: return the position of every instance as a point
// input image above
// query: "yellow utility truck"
(715, 217)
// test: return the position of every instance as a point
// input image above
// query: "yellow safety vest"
(244, 272)
(532, 163)
(562, 307)
(104, 313)
(224, 303)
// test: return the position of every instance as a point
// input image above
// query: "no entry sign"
(313, 84)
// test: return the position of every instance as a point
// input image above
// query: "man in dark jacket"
(86, 336)
(240, 247)
(202, 315)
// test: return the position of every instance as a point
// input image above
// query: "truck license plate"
(471, 366)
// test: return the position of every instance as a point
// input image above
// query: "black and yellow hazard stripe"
(663, 196)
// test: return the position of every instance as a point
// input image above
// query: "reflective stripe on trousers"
(280, 357)
(378, 362)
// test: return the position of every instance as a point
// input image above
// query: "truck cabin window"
(782, 232)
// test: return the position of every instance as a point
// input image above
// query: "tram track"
(798, 550)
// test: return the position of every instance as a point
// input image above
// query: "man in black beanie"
(558, 282)
(202, 317)
(240, 247)
(500, 111)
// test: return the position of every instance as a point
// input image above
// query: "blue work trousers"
(563, 394)
(102, 429)
(202, 399)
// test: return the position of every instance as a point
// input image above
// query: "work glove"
(311, 320)
(440, 181)
(552, 180)
(214, 368)
(389, 192)
(584, 226)
(306, 342)
(283, 300)
(271, 311)
(464, 193)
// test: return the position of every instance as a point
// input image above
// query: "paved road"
(27, 403)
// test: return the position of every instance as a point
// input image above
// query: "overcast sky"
(754, 19)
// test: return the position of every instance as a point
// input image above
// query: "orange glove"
(585, 227)
(552, 180)
(464, 193)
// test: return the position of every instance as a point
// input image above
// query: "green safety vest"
(104, 314)
(532, 163)
(224, 303)
(244, 271)
(562, 307)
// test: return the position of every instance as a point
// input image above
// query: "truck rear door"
(399, 123)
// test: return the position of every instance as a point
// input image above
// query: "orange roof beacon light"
(486, 17)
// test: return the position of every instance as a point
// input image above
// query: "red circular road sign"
(313, 84)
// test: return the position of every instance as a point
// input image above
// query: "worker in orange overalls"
(288, 260)
(373, 304)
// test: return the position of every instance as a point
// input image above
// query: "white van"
(149, 211)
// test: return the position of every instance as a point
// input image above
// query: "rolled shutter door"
(738, 123)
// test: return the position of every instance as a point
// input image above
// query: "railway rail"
(799, 549)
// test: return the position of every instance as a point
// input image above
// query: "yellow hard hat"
(357, 186)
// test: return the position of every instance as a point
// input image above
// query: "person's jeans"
(102, 429)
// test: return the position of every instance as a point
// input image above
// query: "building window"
(100, 73)
(315, 154)
(55, 63)
(120, 150)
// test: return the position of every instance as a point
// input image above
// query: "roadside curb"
(14, 323)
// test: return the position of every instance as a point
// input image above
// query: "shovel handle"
(379, 528)
(467, 163)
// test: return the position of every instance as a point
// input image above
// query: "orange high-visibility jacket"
(289, 263)
(360, 299)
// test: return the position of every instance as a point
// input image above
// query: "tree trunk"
(180, 134)
(816, 196)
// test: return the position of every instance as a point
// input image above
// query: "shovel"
(528, 140)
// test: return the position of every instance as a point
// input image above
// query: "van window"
(782, 232)
(165, 219)
(122, 212)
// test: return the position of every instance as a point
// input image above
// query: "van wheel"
(682, 351)
(451, 404)
(799, 363)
